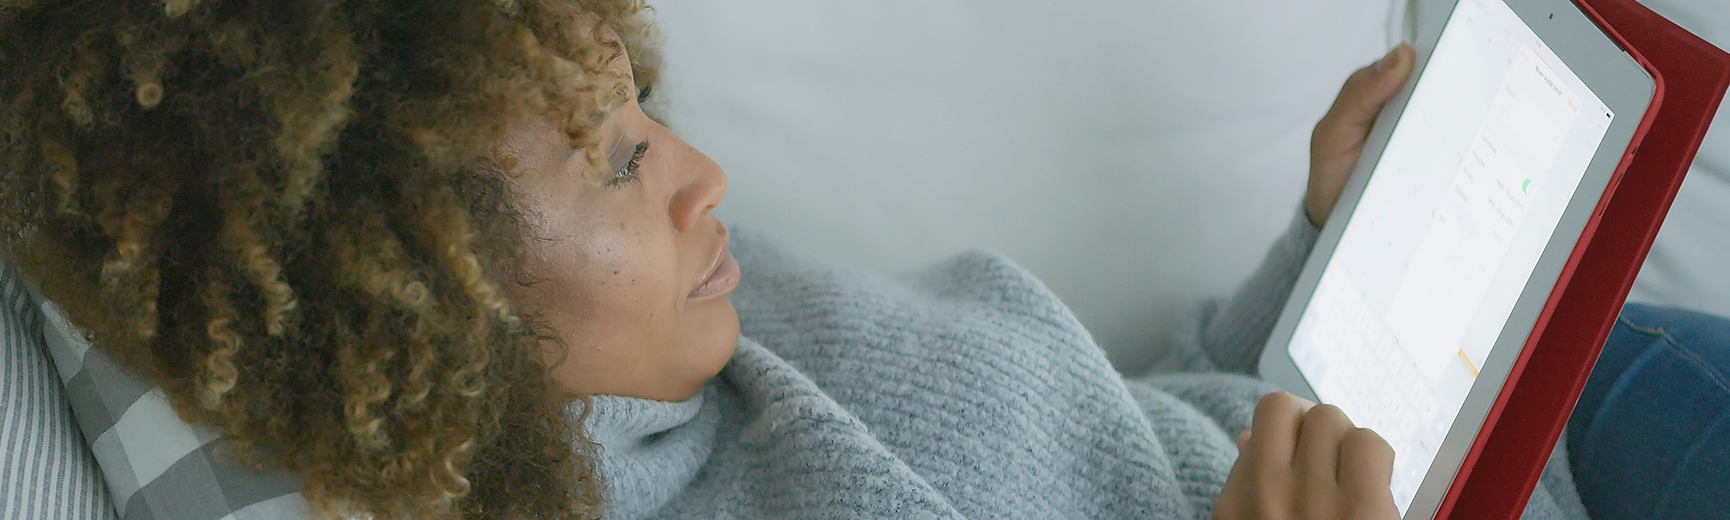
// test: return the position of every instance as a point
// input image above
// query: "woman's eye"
(628, 173)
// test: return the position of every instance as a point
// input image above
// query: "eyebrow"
(619, 144)
(612, 151)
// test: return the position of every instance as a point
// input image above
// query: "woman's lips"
(722, 280)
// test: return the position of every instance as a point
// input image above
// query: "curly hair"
(294, 217)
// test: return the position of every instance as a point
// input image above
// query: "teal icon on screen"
(1525, 187)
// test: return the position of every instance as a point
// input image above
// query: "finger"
(1272, 441)
(1366, 463)
(1273, 436)
(1234, 496)
(1379, 506)
(1343, 129)
(1318, 449)
(1367, 89)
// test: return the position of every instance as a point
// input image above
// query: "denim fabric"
(1650, 437)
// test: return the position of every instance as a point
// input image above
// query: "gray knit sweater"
(966, 390)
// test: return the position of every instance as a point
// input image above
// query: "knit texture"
(966, 390)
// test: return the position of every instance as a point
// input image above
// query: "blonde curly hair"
(292, 216)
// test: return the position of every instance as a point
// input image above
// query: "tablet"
(1476, 184)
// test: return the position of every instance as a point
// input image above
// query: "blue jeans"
(1650, 437)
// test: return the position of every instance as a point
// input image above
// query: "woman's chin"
(713, 346)
(727, 337)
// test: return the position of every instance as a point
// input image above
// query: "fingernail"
(1389, 60)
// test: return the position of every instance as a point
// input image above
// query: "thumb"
(1340, 135)
(1361, 99)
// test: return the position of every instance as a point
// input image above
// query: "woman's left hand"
(1339, 137)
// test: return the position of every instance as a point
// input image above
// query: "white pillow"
(1135, 155)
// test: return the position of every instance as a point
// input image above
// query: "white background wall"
(1136, 155)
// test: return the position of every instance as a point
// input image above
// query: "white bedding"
(1135, 155)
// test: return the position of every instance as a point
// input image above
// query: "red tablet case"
(1500, 471)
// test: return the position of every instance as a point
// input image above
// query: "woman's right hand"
(1301, 461)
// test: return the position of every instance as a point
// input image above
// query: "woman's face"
(632, 275)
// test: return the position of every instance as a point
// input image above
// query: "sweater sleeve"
(1228, 334)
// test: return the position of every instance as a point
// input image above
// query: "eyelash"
(628, 174)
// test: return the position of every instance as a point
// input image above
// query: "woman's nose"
(701, 192)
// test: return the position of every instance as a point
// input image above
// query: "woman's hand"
(1339, 137)
(1301, 461)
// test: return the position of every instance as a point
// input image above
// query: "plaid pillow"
(157, 466)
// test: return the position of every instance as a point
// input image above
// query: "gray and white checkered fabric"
(46, 471)
(156, 466)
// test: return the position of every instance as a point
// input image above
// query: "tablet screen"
(1455, 215)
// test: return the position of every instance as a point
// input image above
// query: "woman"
(434, 260)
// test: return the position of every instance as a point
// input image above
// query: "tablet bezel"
(1624, 86)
